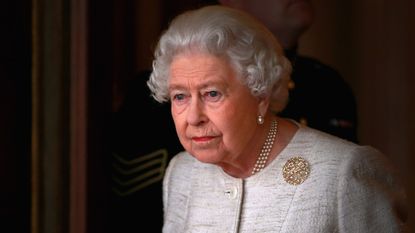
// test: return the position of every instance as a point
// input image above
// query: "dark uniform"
(145, 139)
(320, 98)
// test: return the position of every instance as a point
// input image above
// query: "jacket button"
(231, 192)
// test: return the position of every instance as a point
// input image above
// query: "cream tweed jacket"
(350, 188)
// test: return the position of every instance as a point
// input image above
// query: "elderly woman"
(245, 169)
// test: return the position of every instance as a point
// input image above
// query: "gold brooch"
(296, 170)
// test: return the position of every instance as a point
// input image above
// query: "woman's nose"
(195, 112)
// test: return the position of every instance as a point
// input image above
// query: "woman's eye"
(179, 97)
(212, 95)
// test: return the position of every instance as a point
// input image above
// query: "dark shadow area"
(15, 116)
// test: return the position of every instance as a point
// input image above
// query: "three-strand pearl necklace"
(266, 148)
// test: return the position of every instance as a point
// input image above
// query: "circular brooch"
(296, 170)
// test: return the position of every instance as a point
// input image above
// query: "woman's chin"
(205, 157)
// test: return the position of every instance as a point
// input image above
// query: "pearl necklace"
(266, 148)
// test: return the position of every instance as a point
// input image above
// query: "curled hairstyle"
(253, 51)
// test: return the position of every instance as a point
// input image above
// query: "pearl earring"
(260, 120)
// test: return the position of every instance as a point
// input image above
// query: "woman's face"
(214, 113)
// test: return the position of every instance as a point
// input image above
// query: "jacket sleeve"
(370, 195)
(176, 190)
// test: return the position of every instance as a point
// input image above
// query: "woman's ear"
(263, 105)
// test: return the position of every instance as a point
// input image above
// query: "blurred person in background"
(319, 96)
